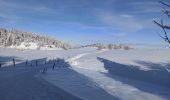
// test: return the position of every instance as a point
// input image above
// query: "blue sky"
(86, 21)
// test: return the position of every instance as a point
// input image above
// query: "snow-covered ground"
(91, 74)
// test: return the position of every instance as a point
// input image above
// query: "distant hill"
(109, 46)
(16, 38)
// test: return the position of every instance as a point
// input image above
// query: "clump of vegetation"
(100, 46)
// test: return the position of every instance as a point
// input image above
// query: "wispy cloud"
(122, 22)
(15, 5)
(145, 6)
(19, 12)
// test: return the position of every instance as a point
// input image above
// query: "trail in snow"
(111, 85)
(76, 83)
(73, 60)
(121, 90)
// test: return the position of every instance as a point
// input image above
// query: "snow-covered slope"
(137, 74)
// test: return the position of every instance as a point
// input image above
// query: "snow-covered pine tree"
(14, 37)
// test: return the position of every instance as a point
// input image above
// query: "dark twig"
(168, 5)
(161, 25)
(164, 27)
(13, 62)
(0, 65)
(54, 64)
(36, 63)
(26, 63)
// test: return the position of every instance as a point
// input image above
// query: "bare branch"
(161, 36)
(166, 36)
(166, 12)
(168, 5)
(161, 25)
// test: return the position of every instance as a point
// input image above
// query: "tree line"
(13, 37)
(109, 46)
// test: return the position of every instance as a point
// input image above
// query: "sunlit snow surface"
(137, 74)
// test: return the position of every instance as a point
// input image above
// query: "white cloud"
(122, 22)
(8, 9)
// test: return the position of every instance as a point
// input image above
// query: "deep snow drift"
(91, 74)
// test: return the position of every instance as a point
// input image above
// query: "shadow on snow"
(159, 75)
(20, 83)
